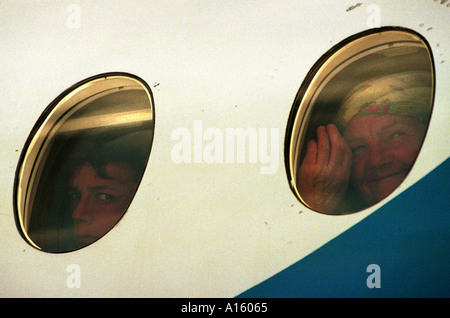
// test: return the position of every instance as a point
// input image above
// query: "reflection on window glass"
(82, 165)
(359, 128)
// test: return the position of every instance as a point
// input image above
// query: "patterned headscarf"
(407, 94)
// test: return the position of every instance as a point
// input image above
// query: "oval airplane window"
(359, 120)
(83, 161)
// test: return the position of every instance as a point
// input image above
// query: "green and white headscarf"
(407, 94)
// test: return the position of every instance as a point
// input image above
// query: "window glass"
(83, 162)
(359, 120)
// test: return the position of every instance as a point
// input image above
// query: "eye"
(358, 149)
(74, 195)
(105, 197)
(397, 134)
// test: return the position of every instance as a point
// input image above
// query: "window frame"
(29, 157)
(300, 114)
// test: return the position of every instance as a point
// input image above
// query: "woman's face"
(384, 148)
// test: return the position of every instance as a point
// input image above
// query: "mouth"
(379, 187)
(385, 177)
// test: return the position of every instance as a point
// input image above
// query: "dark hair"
(131, 149)
(122, 147)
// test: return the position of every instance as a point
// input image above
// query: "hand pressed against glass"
(325, 171)
(98, 202)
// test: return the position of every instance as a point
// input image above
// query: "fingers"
(330, 150)
(311, 153)
(323, 146)
(340, 152)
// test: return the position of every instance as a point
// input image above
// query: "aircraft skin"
(218, 229)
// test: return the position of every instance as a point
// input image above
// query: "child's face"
(98, 203)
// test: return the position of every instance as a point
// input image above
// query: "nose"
(379, 156)
(82, 210)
